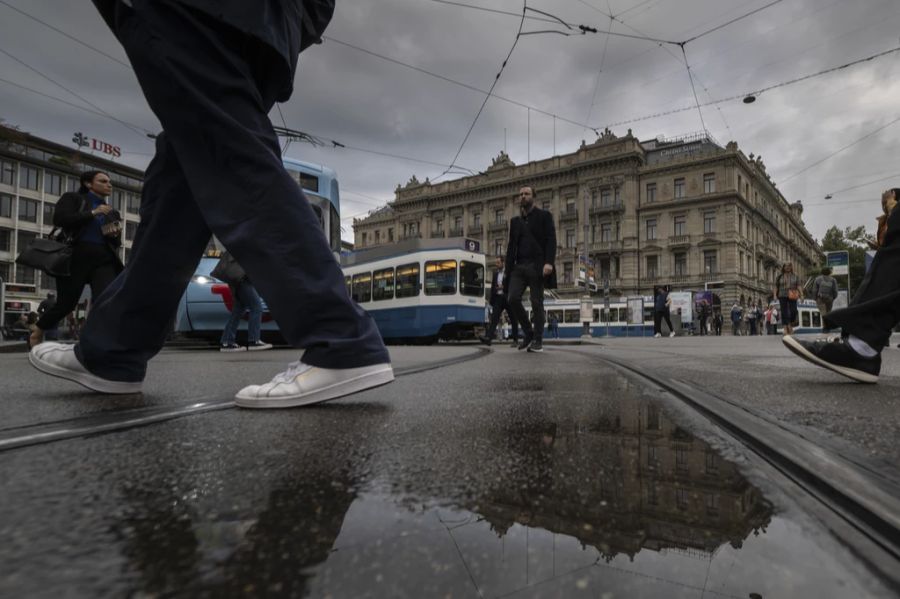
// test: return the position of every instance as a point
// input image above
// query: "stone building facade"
(685, 212)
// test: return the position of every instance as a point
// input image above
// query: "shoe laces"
(293, 370)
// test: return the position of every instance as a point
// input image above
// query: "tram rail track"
(861, 506)
(41, 433)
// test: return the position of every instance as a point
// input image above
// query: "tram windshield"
(471, 278)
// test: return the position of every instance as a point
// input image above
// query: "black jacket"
(540, 222)
(495, 288)
(73, 213)
(286, 26)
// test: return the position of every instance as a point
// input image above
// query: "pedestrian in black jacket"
(499, 304)
(530, 257)
(96, 230)
(211, 70)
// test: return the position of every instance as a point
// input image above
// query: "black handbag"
(228, 270)
(52, 255)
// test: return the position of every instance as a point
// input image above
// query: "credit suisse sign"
(82, 141)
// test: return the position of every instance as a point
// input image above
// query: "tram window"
(573, 316)
(596, 314)
(557, 313)
(817, 319)
(362, 287)
(471, 278)
(383, 284)
(440, 277)
(348, 282)
(407, 280)
(804, 318)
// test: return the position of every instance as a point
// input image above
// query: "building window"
(741, 262)
(681, 498)
(570, 238)
(25, 274)
(652, 418)
(710, 266)
(709, 183)
(605, 198)
(712, 463)
(6, 240)
(680, 225)
(652, 457)
(49, 209)
(605, 272)
(498, 247)
(439, 225)
(681, 462)
(709, 222)
(377, 236)
(72, 184)
(118, 200)
(5, 270)
(618, 194)
(53, 183)
(570, 205)
(651, 192)
(712, 504)
(567, 273)
(28, 210)
(391, 234)
(134, 203)
(652, 498)
(499, 216)
(476, 220)
(680, 264)
(6, 204)
(605, 232)
(457, 223)
(679, 188)
(651, 229)
(29, 177)
(740, 183)
(7, 172)
(652, 267)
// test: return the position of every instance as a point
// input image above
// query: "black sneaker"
(536, 347)
(485, 340)
(837, 356)
(526, 341)
(232, 347)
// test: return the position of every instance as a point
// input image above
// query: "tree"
(852, 240)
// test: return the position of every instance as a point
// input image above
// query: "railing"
(606, 247)
(437, 234)
(569, 214)
(498, 226)
(710, 235)
(405, 236)
(455, 232)
(607, 208)
(679, 240)
(682, 278)
(475, 229)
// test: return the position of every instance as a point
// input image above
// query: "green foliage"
(853, 240)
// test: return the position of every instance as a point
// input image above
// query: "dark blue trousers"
(217, 170)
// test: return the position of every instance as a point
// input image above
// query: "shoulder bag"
(51, 255)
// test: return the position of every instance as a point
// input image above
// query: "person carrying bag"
(92, 234)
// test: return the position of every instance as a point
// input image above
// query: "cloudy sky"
(372, 105)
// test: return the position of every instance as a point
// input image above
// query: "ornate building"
(685, 212)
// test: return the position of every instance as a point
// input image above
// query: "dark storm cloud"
(362, 101)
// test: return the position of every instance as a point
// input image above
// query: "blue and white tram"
(420, 290)
(568, 315)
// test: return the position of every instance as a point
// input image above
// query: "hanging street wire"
(133, 128)
(732, 21)
(453, 81)
(490, 91)
(828, 202)
(693, 89)
(836, 152)
(600, 70)
(65, 34)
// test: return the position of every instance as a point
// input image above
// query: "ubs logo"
(95, 144)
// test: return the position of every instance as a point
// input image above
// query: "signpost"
(606, 302)
(839, 262)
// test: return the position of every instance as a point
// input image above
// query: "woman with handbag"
(96, 233)
(788, 291)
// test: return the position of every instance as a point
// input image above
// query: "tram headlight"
(202, 279)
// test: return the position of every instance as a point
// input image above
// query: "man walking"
(530, 257)
(867, 322)
(211, 72)
(499, 304)
(825, 290)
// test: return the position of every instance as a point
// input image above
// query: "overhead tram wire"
(65, 34)
(453, 81)
(490, 91)
(137, 130)
(602, 61)
(693, 89)
(836, 152)
(732, 21)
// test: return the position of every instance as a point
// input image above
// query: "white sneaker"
(672, 334)
(58, 359)
(259, 346)
(302, 384)
(657, 336)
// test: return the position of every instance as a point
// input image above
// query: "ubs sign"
(95, 144)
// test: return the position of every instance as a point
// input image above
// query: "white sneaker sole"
(85, 379)
(858, 376)
(362, 382)
(251, 348)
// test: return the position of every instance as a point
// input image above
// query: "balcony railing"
(607, 208)
(437, 234)
(606, 247)
(568, 214)
(498, 226)
(455, 232)
(475, 230)
(679, 240)
(405, 236)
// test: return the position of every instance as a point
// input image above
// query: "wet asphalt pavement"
(508, 475)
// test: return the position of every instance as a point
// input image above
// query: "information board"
(839, 262)
(634, 309)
